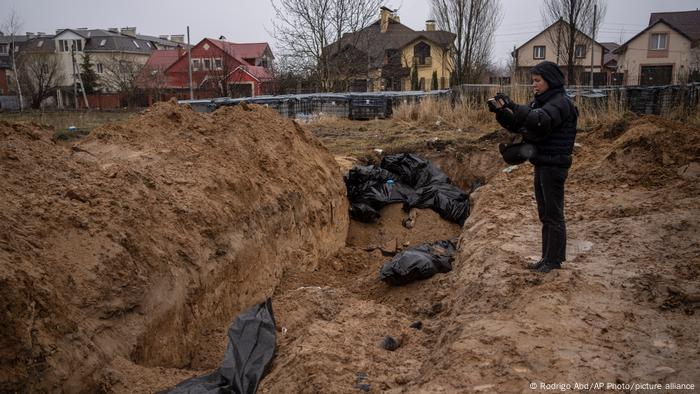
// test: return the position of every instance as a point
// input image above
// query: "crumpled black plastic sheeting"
(251, 347)
(417, 263)
(416, 182)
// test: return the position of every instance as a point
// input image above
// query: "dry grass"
(462, 115)
(471, 113)
(61, 120)
(466, 113)
(593, 113)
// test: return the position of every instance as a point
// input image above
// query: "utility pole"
(595, 14)
(75, 78)
(76, 70)
(189, 63)
(514, 67)
(15, 71)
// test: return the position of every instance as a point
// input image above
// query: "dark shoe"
(547, 266)
(536, 265)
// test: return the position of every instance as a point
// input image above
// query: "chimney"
(40, 34)
(113, 30)
(430, 25)
(129, 31)
(179, 38)
(30, 35)
(384, 15)
(164, 37)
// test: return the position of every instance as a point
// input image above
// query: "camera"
(494, 104)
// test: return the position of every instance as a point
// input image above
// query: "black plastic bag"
(404, 178)
(369, 189)
(417, 263)
(250, 348)
(413, 170)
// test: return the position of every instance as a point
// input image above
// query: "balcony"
(426, 61)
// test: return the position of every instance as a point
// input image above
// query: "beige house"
(114, 54)
(666, 52)
(549, 45)
(388, 55)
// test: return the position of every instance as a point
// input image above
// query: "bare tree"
(305, 27)
(39, 74)
(154, 80)
(12, 26)
(122, 74)
(474, 22)
(577, 16)
(291, 78)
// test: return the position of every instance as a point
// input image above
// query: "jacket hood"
(550, 72)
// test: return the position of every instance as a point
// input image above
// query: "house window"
(538, 52)
(207, 64)
(136, 43)
(4, 49)
(100, 68)
(103, 42)
(195, 64)
(68, 45)
(659, 41)
(217, 64)
(580, 51)
(393, 56)
(38, 44)
(421, 53)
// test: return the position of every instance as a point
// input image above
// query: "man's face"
(539, 85)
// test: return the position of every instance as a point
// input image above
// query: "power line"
(513, 34)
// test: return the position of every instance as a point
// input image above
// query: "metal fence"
(656, 100)
(11, 103)
(343, 105)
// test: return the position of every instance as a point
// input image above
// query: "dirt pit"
(622, 310)
(138, 242)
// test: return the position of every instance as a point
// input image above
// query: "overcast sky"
(251, 20)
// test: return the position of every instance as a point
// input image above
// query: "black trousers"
(549, 193)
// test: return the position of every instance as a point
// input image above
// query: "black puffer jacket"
(548, 122)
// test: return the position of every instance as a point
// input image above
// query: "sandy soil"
(139, 241)
(624, 308)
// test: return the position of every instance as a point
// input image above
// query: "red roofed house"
(219, 68)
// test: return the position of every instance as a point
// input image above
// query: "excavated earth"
(130, 247)
(126, 255)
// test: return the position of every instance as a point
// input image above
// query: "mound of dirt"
(649, 151)
(134, 244)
